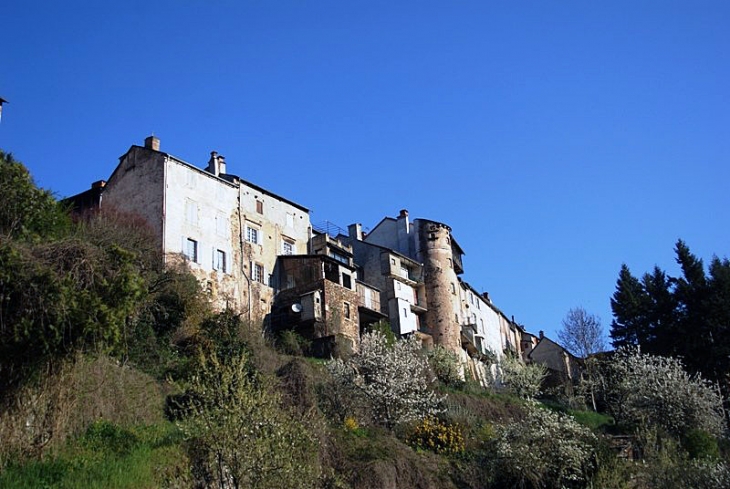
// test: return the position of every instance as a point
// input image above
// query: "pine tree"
(629, 305)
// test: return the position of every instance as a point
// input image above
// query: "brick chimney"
(152, 142)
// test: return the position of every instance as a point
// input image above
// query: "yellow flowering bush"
(437, 436)
(351, 424)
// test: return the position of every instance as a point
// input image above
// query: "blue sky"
(558, 139)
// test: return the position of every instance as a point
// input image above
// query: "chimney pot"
(542, 334)
(216, 164)
(152, 142)
(403, 213)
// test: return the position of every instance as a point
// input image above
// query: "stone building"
(398, 279)
(229, 231)
(417, 267)
(257, 252)
(320, 297)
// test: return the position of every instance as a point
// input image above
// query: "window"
(346, 281)
(453, 288)
(219, 260)
(451, 263)
(259, 206)
(257, 272)
(339, 257)
(287, 248)
(221, 225)
(190, 250)
(347, 310)
(252, 235)
(191, 212)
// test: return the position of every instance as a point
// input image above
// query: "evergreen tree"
(629, 305)
(687, 317)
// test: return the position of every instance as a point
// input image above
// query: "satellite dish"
(296, 307)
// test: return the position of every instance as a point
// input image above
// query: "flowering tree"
(642, 389)
(546, 449)
(395, 380)
(523, 380)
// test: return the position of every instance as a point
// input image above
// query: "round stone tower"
(442, 285)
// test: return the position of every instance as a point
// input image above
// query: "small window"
(191, 212)
(219, 261)
(453, 288)
(191, 250)
(259, 206)
(392, 261)
(346, 281)
(448, 240)
(451, 263)
(287, 248)
(252, 235)
(257, 272)
(347, 310)
(221, 224)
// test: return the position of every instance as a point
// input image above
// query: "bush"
(446, 367)
(239, 434)
(546, 449)
(648, 390)
(700, 444)
(394, 381)
(437, 436)
(523, 380)
(292, 343)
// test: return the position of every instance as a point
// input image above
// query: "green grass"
(106, 456)
(593, 420)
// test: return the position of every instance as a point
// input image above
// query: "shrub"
(393, 380)
(446, 367)
(649, 390)
(239, 434)
(546, 449)
(700, 444)
(292, 343)
(523, 380)
(437, 436)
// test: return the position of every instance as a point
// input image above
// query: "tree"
(26, 211)
(521, 379)
(394, 379)
(241, 435)
(643, 390)
(628, 304)
(686, 316)
(582, 333)
(545, 450)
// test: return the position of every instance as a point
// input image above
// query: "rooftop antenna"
(2, 101)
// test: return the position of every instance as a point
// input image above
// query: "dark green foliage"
(62, 297)
(291, 343)
(26, 211)
(700, 444)
(686, 316)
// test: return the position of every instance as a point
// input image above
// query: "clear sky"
(558, 139)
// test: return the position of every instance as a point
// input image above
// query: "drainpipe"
(242, 262)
